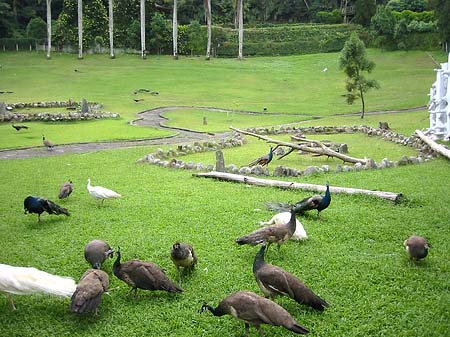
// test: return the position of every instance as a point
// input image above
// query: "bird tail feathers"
(81, 305)
(56, 209)
(297, 328)
(279, 207)
(29, 280)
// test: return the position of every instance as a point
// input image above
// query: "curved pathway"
(152, 118)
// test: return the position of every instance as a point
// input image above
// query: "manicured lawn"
(354, 257)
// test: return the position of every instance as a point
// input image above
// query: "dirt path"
(150, 118)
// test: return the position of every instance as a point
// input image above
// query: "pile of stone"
(55, 117)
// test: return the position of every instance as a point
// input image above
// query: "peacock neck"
(259, 259)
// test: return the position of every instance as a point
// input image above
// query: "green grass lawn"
(354, 257)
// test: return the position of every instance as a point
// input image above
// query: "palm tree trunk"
(80, 29)
(175, 30)
(111, 29)
(49, 28)
(207, 4)
(240, 10)
(143, 52)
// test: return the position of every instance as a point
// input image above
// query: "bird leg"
(261, 332)
(39, 218)
(11, 301)
(247, 328)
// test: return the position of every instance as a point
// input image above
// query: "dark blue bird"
(264, 160)
(318, 202)
(40, 205)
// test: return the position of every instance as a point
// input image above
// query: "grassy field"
(354, 257)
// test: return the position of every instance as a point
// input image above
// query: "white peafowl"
(283, 218)
(101, 193)
(28, 280)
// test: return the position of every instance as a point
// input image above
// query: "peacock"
(47, 143)
(96, 252)
(88, 294)
(278, 233)
(264, 160)
(183, 256)
(19, 127)
(66, 190)
(283, 218)
(40, 205)
(317, 202)
(255, 310)
(417, 247)
(101, 193)
(28, 280)
(274, 281)
(143, 275)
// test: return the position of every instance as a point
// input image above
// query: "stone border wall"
(424, 152)
(94, 108)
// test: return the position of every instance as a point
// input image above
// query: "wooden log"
(391, 196)
(434, 146)
(322, 151)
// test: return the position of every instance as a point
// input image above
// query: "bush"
(333, 17)
(37, 29)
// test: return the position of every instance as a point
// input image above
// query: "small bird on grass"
(183, 256)
(101, 193)
(28, 280)
(255, 310)
(19, 127)
(40, 205)
(47, 143)
(88, 294)
(417, 247)
(138, 99)
(65, 190)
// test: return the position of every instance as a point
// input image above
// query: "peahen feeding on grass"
(19, 127)
(143, 275)
(278, 233)
(316, 202)
(40, 205)
(101, 193)
(47, 143)
(274, 281)
(417, 247)
(96, 252)
(255, 310)
(28, 280)
(88, 294)
(283, 218)
(183, 256)
(264, 160)
(65, 190)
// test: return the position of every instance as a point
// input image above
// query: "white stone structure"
(439, 104)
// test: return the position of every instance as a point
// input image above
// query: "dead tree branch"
(322, 151)
(435, 146)
(391, 196)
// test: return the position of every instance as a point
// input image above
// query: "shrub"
(37, 29)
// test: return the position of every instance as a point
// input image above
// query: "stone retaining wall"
(424, 152)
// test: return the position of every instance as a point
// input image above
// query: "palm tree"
(111, 29)
(207, 5)
(143, 29)
(240, 16)
(175, 30)
(80, 29)
(49, 27)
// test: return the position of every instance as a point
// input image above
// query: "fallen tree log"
(322, 151)
(433, 145)
(391, 196)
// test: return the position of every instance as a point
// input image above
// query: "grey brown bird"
(278, 233)
(264, 160)
(255, 310)
(143, 275)
(47, 143)
(65, 190)
(417, 247)
(183, 256)
(96, 252)
(89, 291)
(274, 281)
